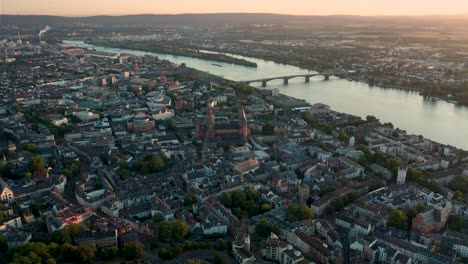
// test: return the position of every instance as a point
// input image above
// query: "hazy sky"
(299, 7)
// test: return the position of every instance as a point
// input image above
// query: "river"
(438, 120)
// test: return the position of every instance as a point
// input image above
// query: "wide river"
(438, 120)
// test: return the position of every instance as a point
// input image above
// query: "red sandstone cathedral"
(210, 131)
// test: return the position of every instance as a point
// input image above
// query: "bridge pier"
(264, 83)
(307, 79)
(327, 77)
(286, 80)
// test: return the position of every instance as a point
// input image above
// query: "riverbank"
(358, 77)
(151, 47)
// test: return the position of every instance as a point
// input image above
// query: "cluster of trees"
(460, 185)
(170, 251)
(132, 251)
(380, 158)
(298, 212)
(403, 218)
(418, 177)
(344, 137)
(71, 168)
(264, 229)
(243, 88)
(456, 222)
(7, 170)
(398, 219)
(124, 171)
(245, 203)
(393, 164)
(58, 131)
(442, 90)
(190, 198)
(29, 147)
(37, 164)
(173, 230)
(150, 164)
(339, 203)
(66, 235)
(39, 252)
(3, 243)
(372, 119)
(314, 124)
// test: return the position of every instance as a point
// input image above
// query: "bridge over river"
(285, 79)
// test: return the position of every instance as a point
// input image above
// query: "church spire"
(244, 128)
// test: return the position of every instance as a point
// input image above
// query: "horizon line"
(251, 13)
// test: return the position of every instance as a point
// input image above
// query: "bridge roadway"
(285, 79)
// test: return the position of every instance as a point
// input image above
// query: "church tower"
(209, 124)
(401, 177)
(244, 127)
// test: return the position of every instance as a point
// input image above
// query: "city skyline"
(296, 7)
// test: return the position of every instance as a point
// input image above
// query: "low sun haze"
(294, 7)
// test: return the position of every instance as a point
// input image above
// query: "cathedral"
(211, 131)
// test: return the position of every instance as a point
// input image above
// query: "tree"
(218, 259)
(114, 159)
(190, 198)
(268, 128)
(339, 204)
(226, 200)
(67, 234)
(87, 252)
(237, 198)
(371, 119)
(29, 147)
(107, 254)
(193, 261)
(133, 251)
(150, 164)
(459, 183)
(3, 243)
(124, 174)
(433, 185)
(458, 196)
(410, 213)
(456, 222)
(330, 209)
(296, 212)
(164, 231)
(266, 207)
(37, 164)
(398, 219)
(263, 228)
(157, 218)
(343, 137)
(389, 125)
(74, 230)
(420, 207)
(179, 229)
(71, 168)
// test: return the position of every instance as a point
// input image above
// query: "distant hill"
(230, 19)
